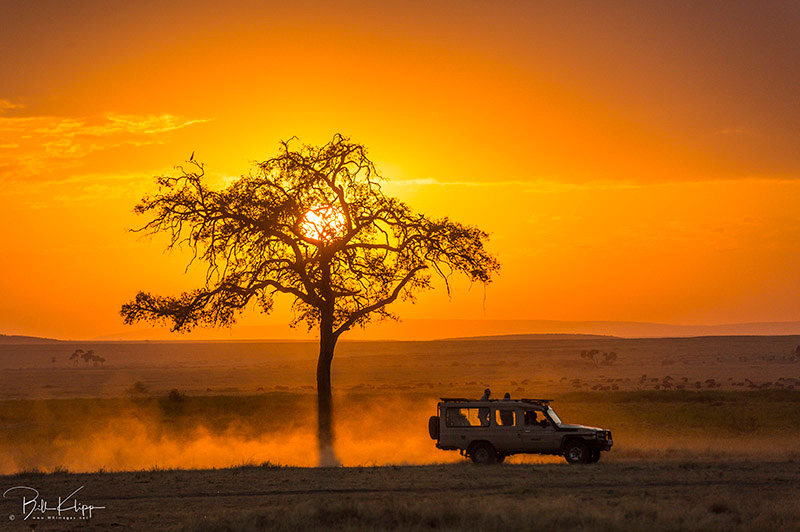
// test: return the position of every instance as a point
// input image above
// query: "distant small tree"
(87, 356)
(591, 356)
(599, 358)
(609, 358)
(75, 356)
(312, 223)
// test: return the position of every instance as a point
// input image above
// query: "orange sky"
(632, 162)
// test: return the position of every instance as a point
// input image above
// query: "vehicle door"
(502, 431)
(537, 434)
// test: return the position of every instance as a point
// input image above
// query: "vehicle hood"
(578, 427)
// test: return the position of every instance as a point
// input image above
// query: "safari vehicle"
(489, 431)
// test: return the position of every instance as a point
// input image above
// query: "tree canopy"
(313, 223)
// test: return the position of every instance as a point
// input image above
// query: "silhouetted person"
(457, 418)
(507, 416)
(483, 412)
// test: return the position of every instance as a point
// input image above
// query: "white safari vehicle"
(488, 431)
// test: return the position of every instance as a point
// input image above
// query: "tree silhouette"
(87, 356)
(313, 223)
(590, 355)
(608, 358)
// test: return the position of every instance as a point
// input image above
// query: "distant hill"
(535, 336)
(437, 329)
(15, 339)
(506, 328)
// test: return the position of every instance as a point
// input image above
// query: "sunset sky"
(632, 161)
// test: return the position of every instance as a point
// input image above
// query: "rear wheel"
(576, 452)
(483, 453)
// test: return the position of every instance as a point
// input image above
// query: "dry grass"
(490, 514)
(643, 496)
(680, 497)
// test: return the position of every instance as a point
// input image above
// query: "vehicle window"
(534, 417)
(554, 416)
(463, 417)
(505, 418)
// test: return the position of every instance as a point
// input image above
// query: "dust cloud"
(90, 436)
(372, 429)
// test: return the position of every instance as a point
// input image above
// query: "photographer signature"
(36, 506)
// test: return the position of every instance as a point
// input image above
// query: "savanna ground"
(683, 494)
(705, 435)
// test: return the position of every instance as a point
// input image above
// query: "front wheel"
(483, 453)
(576, 452)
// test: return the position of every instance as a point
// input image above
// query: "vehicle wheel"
(576, 452)
(483, 453)
(594, 456)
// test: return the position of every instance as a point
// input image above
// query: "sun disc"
(324, 223)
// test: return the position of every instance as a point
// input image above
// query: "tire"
(483, 453)
(594, 456)
(576, 452)
(433, 427)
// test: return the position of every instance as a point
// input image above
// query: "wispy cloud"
(6, 105)
(538, 184)
(37, 146)
(734, 131)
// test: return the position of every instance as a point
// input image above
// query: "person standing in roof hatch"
(483, 412)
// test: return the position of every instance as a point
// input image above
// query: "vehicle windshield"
(554, 416)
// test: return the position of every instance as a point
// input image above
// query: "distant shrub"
(175, 396)
(719, 508)
(138, 388)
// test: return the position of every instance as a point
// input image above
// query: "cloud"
(534, 185)
(430, 182)
(734, 131)
(6, 105)
(39, 146)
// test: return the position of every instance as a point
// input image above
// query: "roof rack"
(537, 401)
(455, 399)
(465, 400)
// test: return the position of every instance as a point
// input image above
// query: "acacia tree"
(312, 223)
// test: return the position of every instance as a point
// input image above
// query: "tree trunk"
(327, 342)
